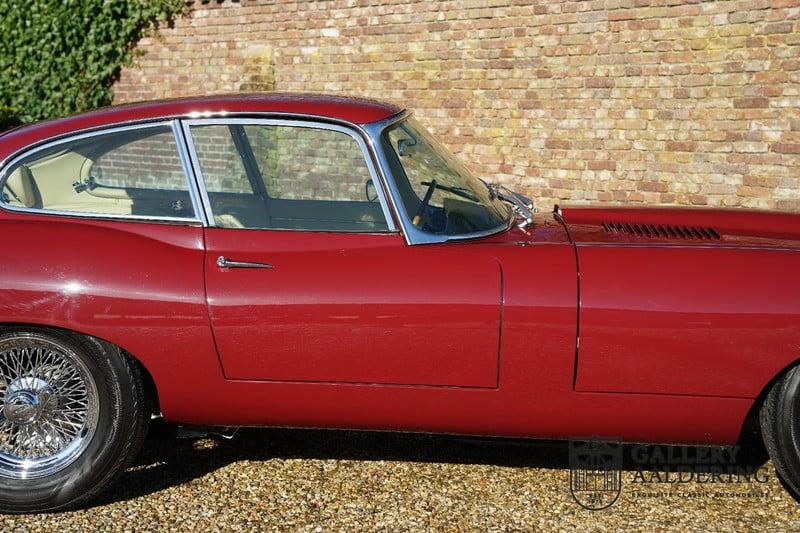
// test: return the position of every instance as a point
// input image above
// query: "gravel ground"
(304, 480)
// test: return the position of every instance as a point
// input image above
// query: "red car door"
(352, 308)
(307, 280)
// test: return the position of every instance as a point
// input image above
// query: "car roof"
(338, 108)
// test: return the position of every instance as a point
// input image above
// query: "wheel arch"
(751, 427)
(147, 377)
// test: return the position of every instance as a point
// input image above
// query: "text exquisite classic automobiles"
(289, 260)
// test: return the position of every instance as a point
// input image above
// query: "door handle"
(224, 262)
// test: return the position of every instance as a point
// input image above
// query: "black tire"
(780, 427)
(122, 417)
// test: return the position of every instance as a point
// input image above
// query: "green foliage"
(59, 57)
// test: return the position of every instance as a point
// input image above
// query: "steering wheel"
(423, 207)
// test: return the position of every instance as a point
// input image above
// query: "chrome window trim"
(197, 174)
(168, 117)
(22, 154)
(368, 134)
(352, 132)
(194, 187)
(412, 234)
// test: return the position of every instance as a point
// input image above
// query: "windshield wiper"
(520, 204)
(455, 190)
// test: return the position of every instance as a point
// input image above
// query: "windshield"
(439, 195)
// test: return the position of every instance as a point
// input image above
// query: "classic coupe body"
(313, 261)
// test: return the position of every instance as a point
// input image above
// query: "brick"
(778, 27)
(599, 82)
(555, 144)
(653, 186)
(786, 148)
(745, 103)
(681, 146)
(602, 165)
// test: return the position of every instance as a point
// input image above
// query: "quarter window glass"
(129, 172)
(296, 178)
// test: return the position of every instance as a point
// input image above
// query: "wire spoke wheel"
(48, 407)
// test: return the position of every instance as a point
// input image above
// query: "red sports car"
(315, 261)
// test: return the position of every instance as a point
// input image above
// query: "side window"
(287, 177)
(125, 172)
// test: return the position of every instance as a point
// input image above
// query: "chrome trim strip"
(381, 164)
(194, 188)
(101, 216)
(314, 124)
(412, 234)
(4, 174)
(198, 176)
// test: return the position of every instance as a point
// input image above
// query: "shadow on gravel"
(167, 461)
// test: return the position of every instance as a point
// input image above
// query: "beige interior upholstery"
(22, 190)
(48, 184)
(228, 221)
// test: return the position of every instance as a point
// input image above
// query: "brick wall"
(635, 101)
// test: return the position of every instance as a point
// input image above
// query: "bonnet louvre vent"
(662, 231)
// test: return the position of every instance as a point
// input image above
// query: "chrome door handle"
(224, 262)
